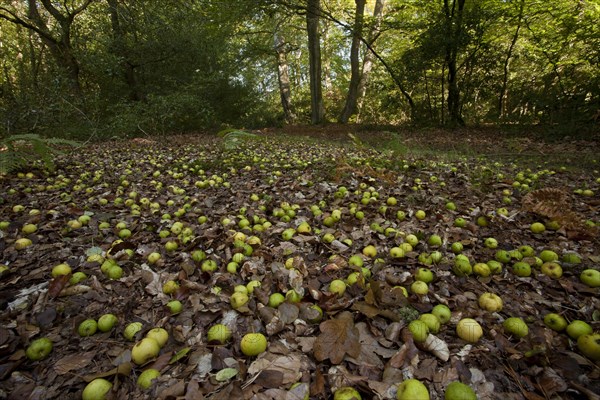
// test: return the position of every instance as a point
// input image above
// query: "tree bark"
(368, 57)
(454, 32)
(283, 77)
(314, 53)
(59, 45)
(352, 96)
(502, 98)
(119, 48)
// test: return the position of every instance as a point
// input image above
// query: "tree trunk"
(314, 54)
(454, 33)
(352, 97)
(119, 48)
(283, 77)
(502, 98)
(368, 58)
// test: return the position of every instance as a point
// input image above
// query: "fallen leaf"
(73, 362)
(338, 337)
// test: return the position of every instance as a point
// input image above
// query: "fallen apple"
(175, 306)
(468, 329)
(159, 334)
(39, 349)
(61, 269)
(77, 277)
(424, 275)
(412, 389)
(433, 322)
(490, 302)
(218, 333)
(589, 345)
(370, 251)
(490, 243)
(419, 330)
(275, 299)
(482, 269)
(338, 287)
(144, 351)
(516, 326)
(252, 344)
(590, 277)
(153, 258)
(548, 255)
(87, 327)
(146, 377)
(238, 299)
(443, 313)
(459, 391)
(552, 269)
(96, 389)
(555, 322)
(521, 269)
(131, 330)
(170, 287)
(578, 328)
(106, 322)
(537, 227)
(419, 287)
(346, 393)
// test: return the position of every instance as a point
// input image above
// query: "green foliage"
(234, 138)
(26, 150)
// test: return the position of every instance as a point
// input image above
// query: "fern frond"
(233, 138)
(26, 149)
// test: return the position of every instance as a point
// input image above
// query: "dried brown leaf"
(338, 337)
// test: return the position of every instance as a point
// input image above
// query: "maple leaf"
(338, 337)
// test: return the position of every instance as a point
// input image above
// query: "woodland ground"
(263, 186)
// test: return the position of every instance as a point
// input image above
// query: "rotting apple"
(146, 378)
(552, 269)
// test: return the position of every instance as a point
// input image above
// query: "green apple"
(144, 351)
(450, 206)
(198, 255)
(590, 277)
(131, 330)
(436, 256)
(482, 269)
(87, 327)
(39, 349)
(96, 390)
(209, 266)
(503, 256)
(275, 299)
(370, 251)
(552, 269)
(434, 240)
(346, 393)
(253, 285)
(175, 306)
(490, 243)
(412, 389)
(396, 252)
(468, 329)
(419, 330)
(77, 277)
(106, 322)
(159, 334)
(419, 287)
(442, 312)
(170, 287)
(338, 287)
(490, 302)
(218, 333)
(462, 266)
(578, 328)
(527, 251)
(516, 326)
(460, 222)
(28, 229)
(537, 227)
(555, 322)
(571, 258)
(252, 344)
(153, 258)
(238, 299)
(548, 255)
(146, 377)
(61, 269)
(456, 247)
(433, 322)
(356, 260)
(288, 234)
(459, 391)
(412, 240)
(420, 215)
(589, 345)
(171, 245)
(521, 269)
(292, 296)
(114, 272)
(495, 266)
(424, 275)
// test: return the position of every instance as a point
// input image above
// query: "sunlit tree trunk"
(353, 89)
(283, 77)
(369, 57)
(314, 53)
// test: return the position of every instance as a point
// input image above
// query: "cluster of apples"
(414, 389)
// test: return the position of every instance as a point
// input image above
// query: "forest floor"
(295, 209)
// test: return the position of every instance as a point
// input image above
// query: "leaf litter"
(261, 189)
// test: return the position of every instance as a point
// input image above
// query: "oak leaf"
(338, 337)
